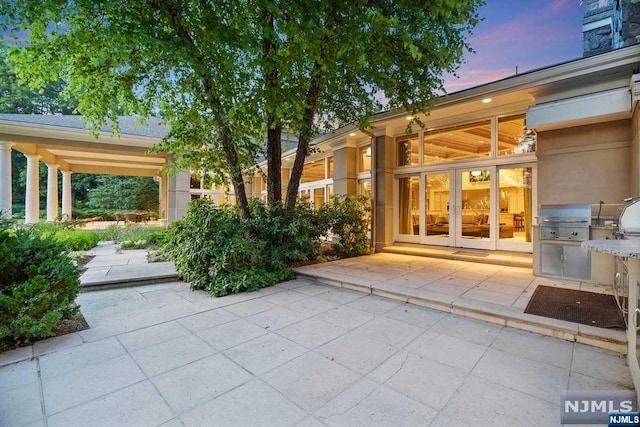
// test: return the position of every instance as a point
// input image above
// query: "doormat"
(587, 308)
(472, 253)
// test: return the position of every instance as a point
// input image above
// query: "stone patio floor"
(296, 354)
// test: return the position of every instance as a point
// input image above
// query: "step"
(510, 259)
(614, 340)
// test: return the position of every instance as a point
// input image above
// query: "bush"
(214, 250)
(77, 240)
(347, 219)
(74, 239)
(135, 236)
(38, 286)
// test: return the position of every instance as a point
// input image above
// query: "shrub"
(214, 250)
(76, 239)
(135, 236)
(347, 218)
(38, 285)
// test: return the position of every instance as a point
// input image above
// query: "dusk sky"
(529, 34)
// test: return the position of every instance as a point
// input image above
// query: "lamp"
(476, 173)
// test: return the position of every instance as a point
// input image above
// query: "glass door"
(408, 208)
(516, 202)
(438, 198)
(474, 207)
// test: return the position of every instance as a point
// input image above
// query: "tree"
(230, 75)
(136, 193)
(20, 98)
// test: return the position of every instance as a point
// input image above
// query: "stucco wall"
(585, 164)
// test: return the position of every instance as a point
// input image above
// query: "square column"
(179, 195)
(66, 196)
(32, 198)
(344, 167)
(383, 190)
(52, 192)
(5, 179)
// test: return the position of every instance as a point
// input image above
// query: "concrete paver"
(297, 354)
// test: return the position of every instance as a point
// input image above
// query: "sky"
(528, 34)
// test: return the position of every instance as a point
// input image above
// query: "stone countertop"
(623, 248)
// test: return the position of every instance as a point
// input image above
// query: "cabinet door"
(577, 262)
(551, 259)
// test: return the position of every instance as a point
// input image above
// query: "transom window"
(472, 141)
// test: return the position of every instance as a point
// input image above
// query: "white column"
(66, 196)
(52, 192)
(5, 178)
(32, 198)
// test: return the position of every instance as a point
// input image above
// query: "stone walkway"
(296, 354)
(112, 267)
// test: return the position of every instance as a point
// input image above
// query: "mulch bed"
(84, 260)
(75, 324)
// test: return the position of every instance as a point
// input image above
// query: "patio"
(497, 289)
(299, 353)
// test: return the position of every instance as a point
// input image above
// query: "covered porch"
(63, 144)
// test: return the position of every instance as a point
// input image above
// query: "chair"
(518, 222)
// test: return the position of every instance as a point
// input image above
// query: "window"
(330, 167)
(514, 137)
(313, 171)
(364, 159)
(464, 142)
(407, 150)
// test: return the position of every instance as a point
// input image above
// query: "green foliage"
(134, 236)
(214, 250)
(347, 218)
(73, 239)
(124, 193)
(38, 285)
(77, 240)
(224, 75)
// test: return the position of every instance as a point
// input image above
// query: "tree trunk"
(274, 129)
(274, 166)
(305, 136)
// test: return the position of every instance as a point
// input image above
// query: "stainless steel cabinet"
(565, 260)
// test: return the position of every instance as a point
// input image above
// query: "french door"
(446, 208)
(482, 207)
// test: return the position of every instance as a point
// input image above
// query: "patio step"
(122, 276)
(614, 340)
(511, 259)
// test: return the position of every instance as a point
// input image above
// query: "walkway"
(296, 354)
(111, 268)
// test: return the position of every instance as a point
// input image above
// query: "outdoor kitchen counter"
(631, 250)
(622, 248)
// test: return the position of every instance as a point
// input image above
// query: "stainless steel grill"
(628, 228)
(562, 228)
(565, 222)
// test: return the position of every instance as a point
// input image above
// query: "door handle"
(635, 319)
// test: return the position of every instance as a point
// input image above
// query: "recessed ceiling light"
(486, 100)
(352, 134)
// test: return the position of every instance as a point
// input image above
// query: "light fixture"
(352, 134)
(486, 100)
(409, 117)
(367, 152)
(476, 173)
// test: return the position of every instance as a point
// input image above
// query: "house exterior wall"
(585, 164)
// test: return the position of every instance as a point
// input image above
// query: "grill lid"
(565, 215)
(630, 218)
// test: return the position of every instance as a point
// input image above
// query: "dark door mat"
(472, 253)
(587, 308)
